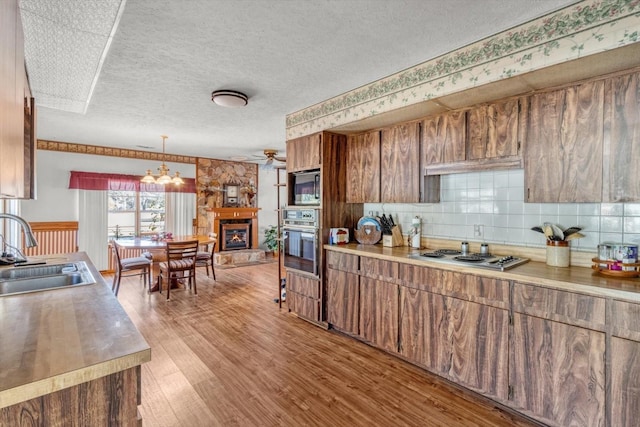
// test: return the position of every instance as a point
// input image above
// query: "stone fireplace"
(237, 230)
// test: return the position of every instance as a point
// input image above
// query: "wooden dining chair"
(180, 263)
(205, 258)
(133, 266)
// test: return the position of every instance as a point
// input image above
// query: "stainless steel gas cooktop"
(489, 261)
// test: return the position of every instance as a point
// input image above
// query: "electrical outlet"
(478, 230)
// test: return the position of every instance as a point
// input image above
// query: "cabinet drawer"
(303, 285)
(379, 269)
(561, 306)
(418, 277)
(625, 320)
(468, 287)
(343, 262)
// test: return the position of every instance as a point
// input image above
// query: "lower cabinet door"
(342, 300)
(304, 306)
(558, 372)
(379, 313)
(625, 382)
(461, 340)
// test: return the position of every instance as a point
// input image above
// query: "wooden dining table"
(158, 249)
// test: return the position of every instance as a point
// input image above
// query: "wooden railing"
(57, 237)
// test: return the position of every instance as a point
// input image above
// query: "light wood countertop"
(576, 279)
(54, 339)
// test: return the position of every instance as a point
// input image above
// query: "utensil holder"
(558, 253)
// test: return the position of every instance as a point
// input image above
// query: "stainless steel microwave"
(306, 188)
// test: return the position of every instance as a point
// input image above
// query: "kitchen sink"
(18, 280)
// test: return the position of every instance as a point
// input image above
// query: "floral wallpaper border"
(585, 28)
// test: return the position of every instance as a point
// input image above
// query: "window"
(133, 213)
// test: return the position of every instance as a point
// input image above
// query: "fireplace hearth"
(235, 236)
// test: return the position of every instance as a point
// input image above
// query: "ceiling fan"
(270, 155)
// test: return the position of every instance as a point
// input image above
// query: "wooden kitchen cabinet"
(493, 130)
(400, 164)
(379, 303)
(363, 173)
(13, 78)
(563, 158)
(111, 400)
(325, 151)
(625, 365)
(304, 153)
(343, 292)
(384, 167)
(485, 137)
(443, 138)
(462, 338)
(304, 296)
(557, 368)
(379, 313)
(622, 134)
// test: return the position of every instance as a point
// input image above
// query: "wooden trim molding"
(54, 226)
(69, 147)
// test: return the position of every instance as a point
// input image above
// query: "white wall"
(268, 199)
(495, 199)
(56, 202)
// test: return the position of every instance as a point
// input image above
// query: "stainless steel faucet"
(30, 240)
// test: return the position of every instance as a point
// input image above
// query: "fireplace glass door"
(235, 236)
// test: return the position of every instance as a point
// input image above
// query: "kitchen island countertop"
(55, 339)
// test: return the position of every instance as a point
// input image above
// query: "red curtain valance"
(120, 182)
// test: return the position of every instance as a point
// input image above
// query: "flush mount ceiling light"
(229, 98)
(164, 177)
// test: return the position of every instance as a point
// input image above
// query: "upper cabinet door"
(363, 172)
(304, 153)
(11, 101)
(492, 130)
(443, 138)
(622, 136)
(400, 164)
(563, 153)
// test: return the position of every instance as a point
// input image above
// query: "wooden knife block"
(395, 239)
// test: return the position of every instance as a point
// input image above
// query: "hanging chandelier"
(163, 178)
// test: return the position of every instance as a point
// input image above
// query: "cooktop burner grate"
(448, 252)
(432, 255)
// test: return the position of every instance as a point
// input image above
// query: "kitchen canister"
(416, 232)
(625, 253)
(558, 253)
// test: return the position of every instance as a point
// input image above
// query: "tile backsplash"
(495, 201)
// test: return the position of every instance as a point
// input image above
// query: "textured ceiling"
(163, 58)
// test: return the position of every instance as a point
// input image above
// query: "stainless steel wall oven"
(301, 239)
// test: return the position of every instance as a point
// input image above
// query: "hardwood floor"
(230, 357)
